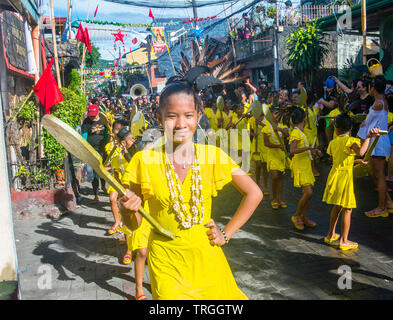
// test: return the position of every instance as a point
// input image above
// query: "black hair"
(119, 121)
(343, 122)
(297, 116)
(123, 133)
(365, 83)
(379, 84)
(175, 86)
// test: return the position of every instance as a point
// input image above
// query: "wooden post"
(52, 18)
(364, 29)
(230, 31)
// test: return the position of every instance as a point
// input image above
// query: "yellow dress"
(275, 158)
(212, 117)
(243, 140)
(187, 267)
(118, 164)
(311, 129)
(139, 238)
(339, 186)
(301, 162)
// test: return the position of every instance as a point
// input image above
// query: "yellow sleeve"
(295, 135)
(266, 129)
(390, 118)
(223, 169)
(329, 150)
(351, 141)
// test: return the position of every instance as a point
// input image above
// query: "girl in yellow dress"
(119, 163)
(136, 240)
(115, 163)
(240, 143)
(311, 131)
(276, 158)
(178, 180)
(339, 186)
(259, 152)
(302, 174)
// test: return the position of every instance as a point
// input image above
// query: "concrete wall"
(8, 258)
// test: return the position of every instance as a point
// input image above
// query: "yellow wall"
(140, 56)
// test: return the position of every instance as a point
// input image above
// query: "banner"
(159, 39)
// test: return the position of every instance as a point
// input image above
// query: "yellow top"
(187, 267)
(244, 124)
(212, 117)
(339, 186)
(390, 118)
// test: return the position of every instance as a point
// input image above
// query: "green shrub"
(70, 111)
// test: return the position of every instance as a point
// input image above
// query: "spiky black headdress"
(205, 71)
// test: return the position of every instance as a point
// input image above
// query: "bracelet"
(225, 236)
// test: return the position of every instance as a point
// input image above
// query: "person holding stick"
(178, 180)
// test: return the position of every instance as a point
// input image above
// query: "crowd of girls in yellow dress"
(176, 180)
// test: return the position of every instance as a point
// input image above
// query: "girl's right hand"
(373, 132)
(130, 201)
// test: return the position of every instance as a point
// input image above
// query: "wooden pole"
(364, 29)
(55, 43)
(230, 31)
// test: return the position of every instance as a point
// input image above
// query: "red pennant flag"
(95, 12)
(80, 34)
(151, 14)
(135, 40)
(47, 90)
(87, 40)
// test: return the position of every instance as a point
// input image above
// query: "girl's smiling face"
(180, 117)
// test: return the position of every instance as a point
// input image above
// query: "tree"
(307, 50)
(92, 60)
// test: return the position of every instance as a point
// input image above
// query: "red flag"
(80, 34)
(151, 14)
(135, 40)
(95, 12)
(87, 41)
(47, 90)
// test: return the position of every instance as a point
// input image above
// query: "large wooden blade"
(360, 170)
(81, 149)
(220, 103)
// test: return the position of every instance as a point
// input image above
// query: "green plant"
(307, 50)
(92, 60)
(271, 12)
(73, 80)
(28, 111)
(70, 111)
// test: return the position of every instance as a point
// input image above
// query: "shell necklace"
(186, 219)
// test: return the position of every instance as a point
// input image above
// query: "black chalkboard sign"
(15, 41)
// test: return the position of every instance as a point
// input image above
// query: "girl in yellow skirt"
(178, 180)
(339, 186)
(276, 158)
(119, 162)
(301, 168)
(136, 240)
(259, 152)
(311, 131)
(115, 163)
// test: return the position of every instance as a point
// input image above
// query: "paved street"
(268, 256)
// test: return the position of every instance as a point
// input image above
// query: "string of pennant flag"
(146, 25)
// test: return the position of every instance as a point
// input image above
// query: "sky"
(114, 12)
